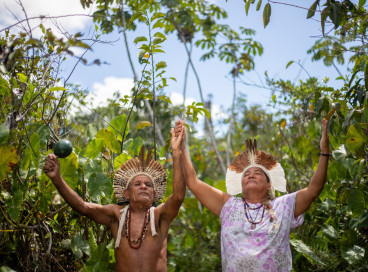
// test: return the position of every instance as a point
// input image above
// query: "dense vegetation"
(39, 232)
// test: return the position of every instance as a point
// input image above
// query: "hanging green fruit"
(63, 148)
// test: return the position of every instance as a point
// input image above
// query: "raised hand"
(324, 143)
(52, 166)
(176, 140)
(180, 128)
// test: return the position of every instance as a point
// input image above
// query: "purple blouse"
(265, 248)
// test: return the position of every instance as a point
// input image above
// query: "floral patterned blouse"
(265, 248)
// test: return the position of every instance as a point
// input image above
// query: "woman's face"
(255, 179)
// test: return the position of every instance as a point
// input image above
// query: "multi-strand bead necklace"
(136, 243)
(247, 210)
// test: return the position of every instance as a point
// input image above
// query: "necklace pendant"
(253, 226)
(134, 241)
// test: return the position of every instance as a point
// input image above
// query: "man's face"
(255, 179)
(140, 189)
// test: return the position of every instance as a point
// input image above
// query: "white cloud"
(11, 12)
(218, 113)
(177, 99)
(103, 91)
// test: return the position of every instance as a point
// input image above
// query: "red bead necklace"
(136, 243)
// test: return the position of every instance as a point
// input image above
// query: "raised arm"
(306, 196)
(171, 207)
(212, 198)
(98, 213)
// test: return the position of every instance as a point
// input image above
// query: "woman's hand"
(324, 143)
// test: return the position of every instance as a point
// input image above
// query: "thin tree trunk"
(209, 126)
(231, 124)
(149, 112)
(184, 95)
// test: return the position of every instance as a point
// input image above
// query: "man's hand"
(52, 166)
(176, 140)
(324, 143)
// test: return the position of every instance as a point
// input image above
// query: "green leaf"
(93, 166)
(339, 154)
(22, 78)
(94, 148)
(34, 149)
(99, 186)
(159, 35)
(157, 15)
(160, 65)
(164, 98)
(14, 204)
(119, 160)
(158, 50)
(68, 170)
(274, 98)
(6, 269)
(158, 24)
(57, 88)
(4, 133)
(330, 232)
(347, 119)
(43, 132)
(259, 4)
(359, 222)
(335, 14)
(136, 16)
(8, 159)
(109, 140)
(99, 259)
(323, 19)
(140, 39)
(136, 145)
(157, 41)
(266, 14)
(312, 9)
(4, 86)
(78, 245)
(356, 202)
(354, 254)
(356, 139)
(92, 240)
(119, 123)
(306, 251)
(247, 4)
(361, 3)
(143, 124)
(289, 63)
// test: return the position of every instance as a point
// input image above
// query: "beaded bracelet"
(324, 154)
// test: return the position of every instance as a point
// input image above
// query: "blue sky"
(287, 37)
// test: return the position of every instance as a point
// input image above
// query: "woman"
(255, 228)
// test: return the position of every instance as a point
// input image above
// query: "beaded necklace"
(136, 243)
(248, 215)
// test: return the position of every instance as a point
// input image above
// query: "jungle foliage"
(39, 232)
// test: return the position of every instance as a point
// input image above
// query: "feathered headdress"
(140, 166)
(254, 158)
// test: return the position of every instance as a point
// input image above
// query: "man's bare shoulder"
(113, 208)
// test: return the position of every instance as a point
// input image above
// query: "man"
(140, 231)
